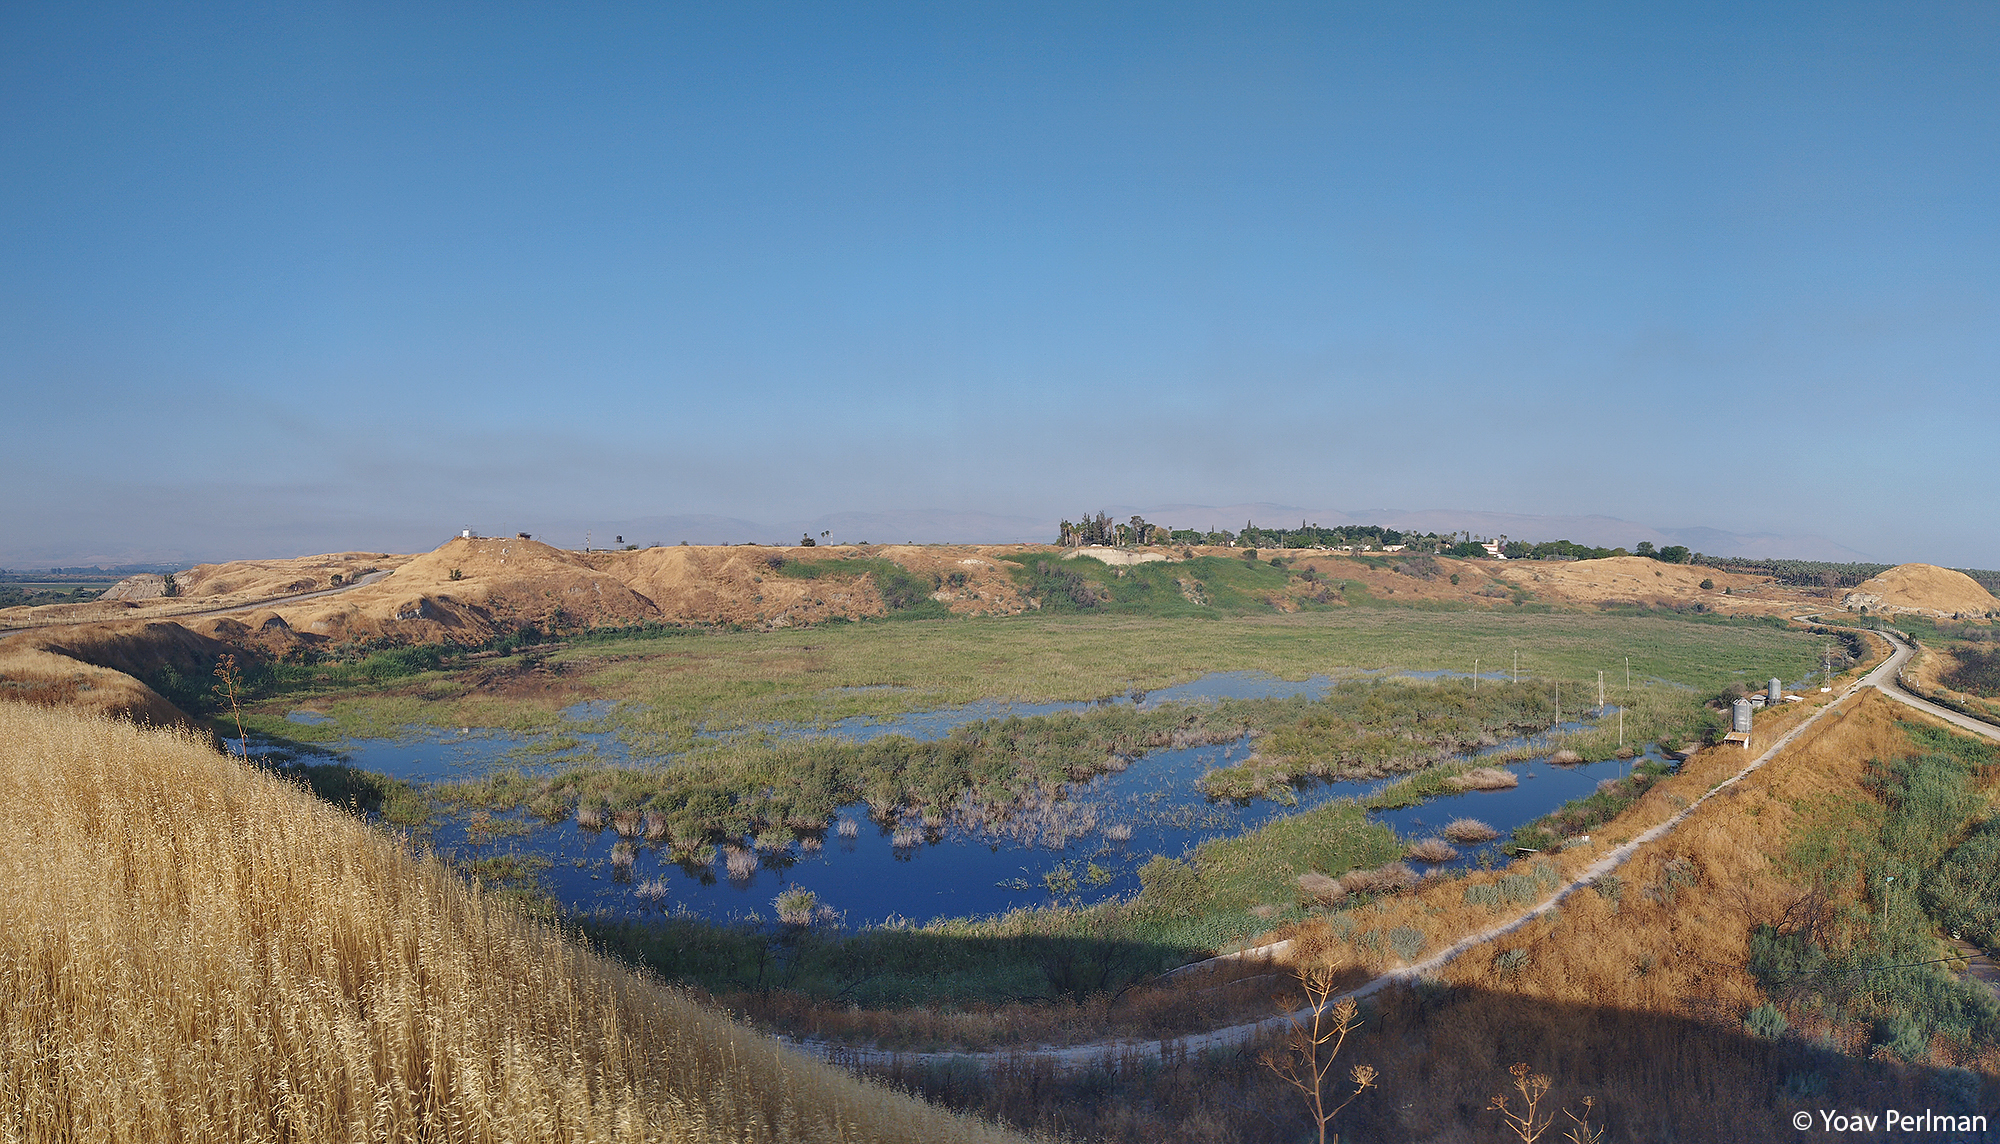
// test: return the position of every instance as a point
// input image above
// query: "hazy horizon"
(283, 280)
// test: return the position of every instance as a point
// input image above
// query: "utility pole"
(1628, 673)
(1559, 706)
(1621, 728)
(1475, 675)
(1517, 667)
(1600, 691)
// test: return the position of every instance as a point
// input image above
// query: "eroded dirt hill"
(1924, 589)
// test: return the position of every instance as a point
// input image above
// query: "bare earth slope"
(206, 587)
(1924, 589)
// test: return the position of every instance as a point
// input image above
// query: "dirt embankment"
(467, 590)
(100, 667)
(206, 587)
(1923, 589)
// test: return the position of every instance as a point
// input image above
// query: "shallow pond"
(1087, 847)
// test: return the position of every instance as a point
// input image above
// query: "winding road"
(1885, 677)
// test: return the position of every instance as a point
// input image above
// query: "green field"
(669, 686)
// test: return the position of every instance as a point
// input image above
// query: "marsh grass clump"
(654, 828)
(1433, 850)
(1118, 832)
(1393, 878)
(795, 907)
(848, 828)
(626, 823)
(739, 861)
(590, 817)
(906, 837)
(1469, 831)
(1485, 778)
(623, 856)
(1322, 889)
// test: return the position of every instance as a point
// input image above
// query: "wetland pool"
(1086, 847)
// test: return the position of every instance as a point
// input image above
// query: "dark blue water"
(1086, 847)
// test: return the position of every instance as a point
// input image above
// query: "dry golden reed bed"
(192, 950)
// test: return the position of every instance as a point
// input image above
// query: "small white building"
(1492, 548)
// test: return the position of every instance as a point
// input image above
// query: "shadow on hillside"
(884, 967)
(1442, 1054)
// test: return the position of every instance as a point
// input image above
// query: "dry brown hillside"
(1644, 581)
(1924, 589)
(98, 667)
(206, 587)
(501, 582)
(191, 949)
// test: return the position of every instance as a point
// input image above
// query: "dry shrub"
(739, 861)
(1469, 831)
(191, 949)
(1394, 878)
(1485, 778)
(1433, 850)
(1321, 888)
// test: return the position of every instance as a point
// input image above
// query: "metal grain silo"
(1775, 695)
(1739, 715)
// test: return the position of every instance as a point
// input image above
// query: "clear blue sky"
(280, 278)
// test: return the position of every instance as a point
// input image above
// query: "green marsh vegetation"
(982, 774)
(670, 684)
(1889, 874)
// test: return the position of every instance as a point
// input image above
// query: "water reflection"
(1086, 845)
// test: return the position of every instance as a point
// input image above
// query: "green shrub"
(1766, 1021)
(1964, 893)
(1484, 895)
(1902, 1035)
(1407, 942)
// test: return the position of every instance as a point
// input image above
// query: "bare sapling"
(1313, 1046)
(228, 687)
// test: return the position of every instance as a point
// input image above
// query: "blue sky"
(277, 279)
